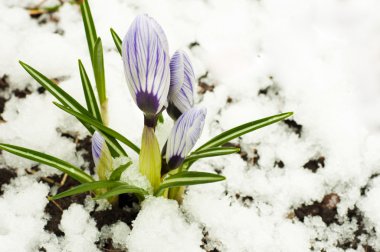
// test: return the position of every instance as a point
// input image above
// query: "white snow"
(80, 230)
(319, 58)
(161, 226)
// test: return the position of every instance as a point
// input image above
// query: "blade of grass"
(116, 40)
(92, 104)
(85, 187)
(71, 170)
(98, 65)
(186, 178)
(56, 91)
(139, 192)
(211, 152)
(241, 130)
(89, 27)
(100, 127)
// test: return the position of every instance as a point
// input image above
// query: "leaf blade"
(100, 127)
(211, 152)
(141, 193)
(116, 40)
(56, 91)
(242, 129)
(85, 187)
(71, 170)
(116, 174)
(186, 178)
(98, 65)
(89, 27)
(92, 104)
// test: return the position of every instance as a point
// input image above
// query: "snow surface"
(318, 58)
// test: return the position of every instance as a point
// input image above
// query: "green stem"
(150, 157)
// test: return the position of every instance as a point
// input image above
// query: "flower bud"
(101, 156)
(182, 79)
(146, 60)
(183, 136)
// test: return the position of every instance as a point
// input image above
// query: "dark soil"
(326, 209)
(21, 94)
(6, 175)
(203, 86)
(84, 147)
(193, 44)
(205, 245)
(314, 164)
(126, 211)
(353, 242)
(294, 126)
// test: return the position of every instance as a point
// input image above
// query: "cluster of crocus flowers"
(158, 82)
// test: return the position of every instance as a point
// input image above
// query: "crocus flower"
(101, 156)
(182, 79)
(184, 135)
(146, 60)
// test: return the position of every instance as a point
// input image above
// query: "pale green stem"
(150, 157)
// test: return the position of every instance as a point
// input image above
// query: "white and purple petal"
(146, 64)
(184, 135)
(97, 146)
(182, 81)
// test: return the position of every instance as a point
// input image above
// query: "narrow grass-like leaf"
(241, 130)
(56, 91)
(71, 170)
(186, 178)
(98, 65)
(92, 104)
(89, 27)
(116, 40)
(211, 152)
(99, 126)
(139, 192)
(86, 187)
(116, 174)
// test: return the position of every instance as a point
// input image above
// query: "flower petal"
(184, 135)
(97, 145)
(182, 80)
(146, 64)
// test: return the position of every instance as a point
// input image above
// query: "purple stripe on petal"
(145, 56)
(97, 145)
(184, 135)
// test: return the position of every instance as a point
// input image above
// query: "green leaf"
(99, 126)
(92, 104)
(86, 187)
(242, 129)
(116, 174)
(98, 65)
(57, 92)
(139, 192)
(211, 152)
(71, 170)
(186, 178)
(89, 27)
(116, 40)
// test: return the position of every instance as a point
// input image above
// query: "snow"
(318, 58)
(80, 230)
(160, 224)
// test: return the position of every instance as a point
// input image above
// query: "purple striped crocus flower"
(146, 60)
(182, 79)
(184, 135)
